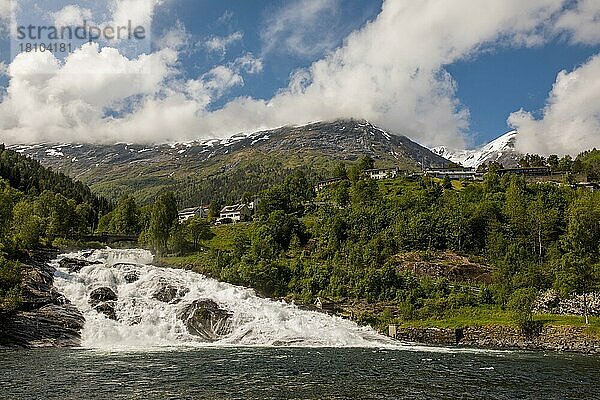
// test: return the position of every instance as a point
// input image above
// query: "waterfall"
(151, 305)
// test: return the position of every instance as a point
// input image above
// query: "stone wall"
(554, 338)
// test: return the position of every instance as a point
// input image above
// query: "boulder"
(205, 319)
(102, 294)
(131, 276)
(108, 309)
(37, 287)
(103, 300)
(75, 264)
(168, 293)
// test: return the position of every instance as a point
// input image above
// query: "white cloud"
(174, 38)
(582, 21)
(50, 101)
(249, 63)
(219, 44)
(72, 15)
(139, 12)
(6, 7)
(571, 118)
(222, 78)
(302, 27)
(391, 72)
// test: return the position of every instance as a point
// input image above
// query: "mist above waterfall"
(151, 305)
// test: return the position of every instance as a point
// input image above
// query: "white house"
(382, 173)
(236, 213)
(188, 213)
(456, 174)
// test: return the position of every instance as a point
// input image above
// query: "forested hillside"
(371, 241)
(38, 208)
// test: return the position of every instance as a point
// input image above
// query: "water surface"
(296, 373)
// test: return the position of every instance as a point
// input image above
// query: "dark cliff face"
(46, 318)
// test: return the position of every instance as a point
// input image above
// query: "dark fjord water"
(296, 373)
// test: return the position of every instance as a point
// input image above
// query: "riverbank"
(549, 338)
(45, 318)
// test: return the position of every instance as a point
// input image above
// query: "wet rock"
(76, 264)
(108, 309)
(124, 265)
(102, 294)
(103, 300)
(131, 276)
(168, 293)
(37, 287)
(204, 318)
(45, 318)
(49, 326)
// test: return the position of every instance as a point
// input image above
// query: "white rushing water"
(144, 322)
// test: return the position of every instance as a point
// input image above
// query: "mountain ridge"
(501, 150)
(211, 165)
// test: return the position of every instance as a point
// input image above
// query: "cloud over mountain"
(391, 71)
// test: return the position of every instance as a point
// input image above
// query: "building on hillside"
(382, 173)
(188, 213)
(526, 171)
(591, 186)
(235, 213)
(253, 205)
(323, 184)
(469, 174)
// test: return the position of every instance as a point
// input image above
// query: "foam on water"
(144, 322)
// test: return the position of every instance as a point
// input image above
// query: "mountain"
(500, 150)
(224, 169)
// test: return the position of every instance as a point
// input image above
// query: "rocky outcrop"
(50, 326)
(103, 300)
(444, 264)
(204, 318)
(75, 264)
(168, 293)
(46, 318)
(102, 294)
(553, 338)
(550, 302)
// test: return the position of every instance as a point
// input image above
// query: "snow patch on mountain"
(500, 150)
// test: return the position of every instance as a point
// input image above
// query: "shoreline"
(560, 339)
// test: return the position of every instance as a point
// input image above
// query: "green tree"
(197, 229)
(579, 272)
(26, 226)
(340, 171)
(163, 219)
(125, 218)
(521, 304)
(10, 280)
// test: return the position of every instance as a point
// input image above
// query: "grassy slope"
(222, 178)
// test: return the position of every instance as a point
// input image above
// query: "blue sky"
(452, 73)
(492, 84)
